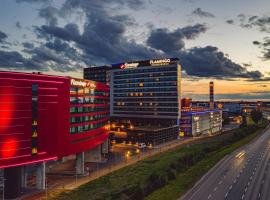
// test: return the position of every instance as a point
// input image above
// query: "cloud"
(252, 96)
(3, 37)
(33, 1)
(200, 13)
(210, 62)
(104, 39)
(230, 21)
(171, 42)
(261, 23)
(50, 14)
(14, 60)
(18, 25)
(28, 45)
(265, 46)
(263, 86)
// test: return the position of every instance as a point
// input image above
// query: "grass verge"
(167, 175)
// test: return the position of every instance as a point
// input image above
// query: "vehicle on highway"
(141, 145)
(240, 154)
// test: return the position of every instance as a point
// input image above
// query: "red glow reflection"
(9, 147)
(6, 108)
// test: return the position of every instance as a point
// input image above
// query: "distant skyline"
(227, 42)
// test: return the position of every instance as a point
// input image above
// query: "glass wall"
(89, 109)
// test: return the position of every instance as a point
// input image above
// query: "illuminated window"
(141, 103)
(141, 85)
(131, 94)
(141, 94)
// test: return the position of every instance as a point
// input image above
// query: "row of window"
(147, 94)
(157, 99)
(158, 89)
(146, 75)
(74, 110)
(119, 103)
(136, 109)
(87, 100)
(87, 127)
(82, 119)
(152, 84)
(87, 91)
(146, 113)
(145, 70)
(145, 80)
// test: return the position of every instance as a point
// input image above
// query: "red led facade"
(71, 117)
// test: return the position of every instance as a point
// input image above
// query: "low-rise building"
(205, 122)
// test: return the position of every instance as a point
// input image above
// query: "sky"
(227, 42)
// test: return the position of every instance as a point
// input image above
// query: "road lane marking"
(219, 182)
(209, 197)
(243, 196)
(226, 195)
(215, 189)
(230, 187)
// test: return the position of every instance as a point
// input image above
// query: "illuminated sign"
(144, 63)
(82, 83)
(129, 65)
(160, 61)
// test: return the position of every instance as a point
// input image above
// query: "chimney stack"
(211, 95)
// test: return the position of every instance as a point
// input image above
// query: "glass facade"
(89, 109)
(150, 91)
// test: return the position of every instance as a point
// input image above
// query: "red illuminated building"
(46, 117)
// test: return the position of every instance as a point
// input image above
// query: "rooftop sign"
(145, 63)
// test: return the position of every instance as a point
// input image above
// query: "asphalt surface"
(244, 174)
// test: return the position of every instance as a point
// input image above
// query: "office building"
(100, 74)
(145, 100)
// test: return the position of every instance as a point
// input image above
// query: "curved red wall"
(53, 140)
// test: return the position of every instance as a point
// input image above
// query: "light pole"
(46, 181)
(3, 182)
(76, 175)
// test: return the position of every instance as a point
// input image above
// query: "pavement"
(244, 174)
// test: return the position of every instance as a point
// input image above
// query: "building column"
(80, 163)
(12, 182)
(23, 177)
(41, 176)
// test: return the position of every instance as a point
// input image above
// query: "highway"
(244, 174)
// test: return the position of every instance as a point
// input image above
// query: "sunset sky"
(227, 42)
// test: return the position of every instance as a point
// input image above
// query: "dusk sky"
(224, 41)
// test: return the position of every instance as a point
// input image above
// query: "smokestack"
(211, 95)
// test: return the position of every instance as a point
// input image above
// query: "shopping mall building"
(45, 118)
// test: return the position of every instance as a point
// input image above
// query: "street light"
(3, 183)
(46, 181)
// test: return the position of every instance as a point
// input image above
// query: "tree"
(256, 115)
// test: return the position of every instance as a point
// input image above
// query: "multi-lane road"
(244, 174)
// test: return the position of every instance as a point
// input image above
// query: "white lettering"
(160, 61)
(81, 83)
(131, 65)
